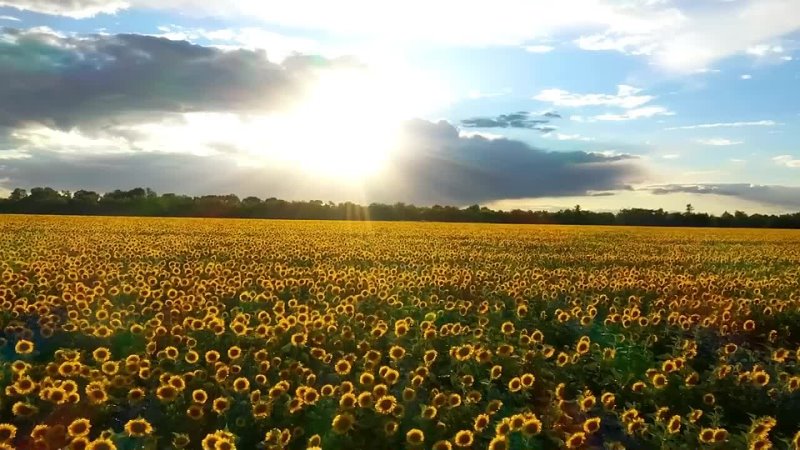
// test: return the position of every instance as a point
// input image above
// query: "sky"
(527, 104)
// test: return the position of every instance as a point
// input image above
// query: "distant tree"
(145, 202)
(18, 194)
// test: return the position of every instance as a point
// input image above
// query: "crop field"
(134, 333)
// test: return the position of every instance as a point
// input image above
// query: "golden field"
(133, 333)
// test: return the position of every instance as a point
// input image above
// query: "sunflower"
(261, 410)
(101, 354)
(180, 440)
(79, 427)
(195, 412)
(527, 380)
(587, 402)
(7, 432)
(79, 443)
(463, 438)
(342, 367)
(442, 445)
(166, 393)
(706, 435)
(136, 394)
(760, 444)
(499, 443)
(481, 422)
(575, 440)
(23, 409)
(24, 347)
(429, 412)
(760, 378)
(101, 444)
(762, 426)
(591, 425)
(386, 404)
(390, 428)
(365, 399)
(659, 381)
(342, 423)
(138, 427)
(674, 424)
(493, 406)
(220, 405)
(531, 426)
(199, 396)
(241, 384)
(397, 352)
(415, 436)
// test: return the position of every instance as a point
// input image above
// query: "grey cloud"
(100, 80)
(785, 196)
(434, 164)
(520, 119)
(72, 8)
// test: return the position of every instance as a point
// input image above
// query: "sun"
(349, 123)
(345, 126)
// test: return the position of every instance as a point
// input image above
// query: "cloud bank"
(77, 9)
(784, 196)
(98, 80)
(433, 163)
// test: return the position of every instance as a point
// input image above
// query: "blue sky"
(658, 102)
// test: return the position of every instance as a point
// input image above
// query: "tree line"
(146, 202)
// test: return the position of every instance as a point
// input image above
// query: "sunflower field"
(131, 333)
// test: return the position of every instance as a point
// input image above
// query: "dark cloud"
(520, 119)
(71, 8)
(552, 115)
(101, 80)
(437, 165)
(434, 164)
(785, 196)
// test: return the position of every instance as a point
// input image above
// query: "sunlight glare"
(349, 124)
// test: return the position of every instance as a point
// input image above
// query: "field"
(220, 334)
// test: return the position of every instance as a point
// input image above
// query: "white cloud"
(626, 97)
(688, 40)
(11, 18)
(672, 36)
(633, 114)
(787, 160)
(671, 156)
(539, 48)
(718, 142)
(567, 137)
(758, 123)
(277, 45)
(746, 76)
(762, 50)
(77, 9)
(483, 134)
